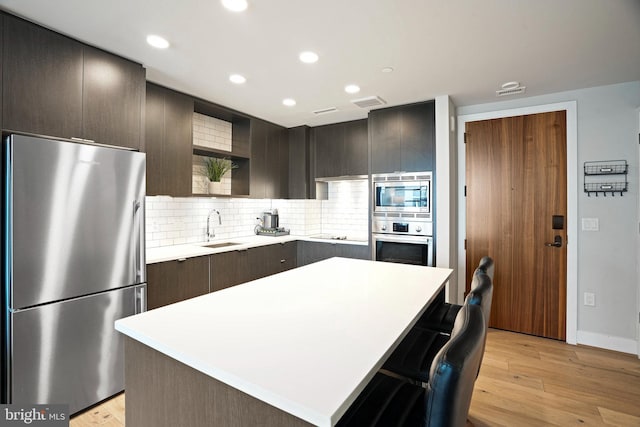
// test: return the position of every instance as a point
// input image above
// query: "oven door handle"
(403, 239)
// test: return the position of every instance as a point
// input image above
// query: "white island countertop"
(305, 341)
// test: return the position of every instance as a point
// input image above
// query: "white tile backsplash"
(211, 132)
(346, 210)
(174, 221)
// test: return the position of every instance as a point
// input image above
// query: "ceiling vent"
(510, 88)
(370, 101)
(326, 110)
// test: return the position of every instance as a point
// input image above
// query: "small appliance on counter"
(270, 224)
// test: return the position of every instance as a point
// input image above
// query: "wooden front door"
(516, 212)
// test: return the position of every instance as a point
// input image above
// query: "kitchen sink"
(221, 245)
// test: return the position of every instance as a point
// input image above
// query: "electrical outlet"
(590, 299)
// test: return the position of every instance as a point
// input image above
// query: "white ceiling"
(463, 48)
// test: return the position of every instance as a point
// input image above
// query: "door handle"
(557, 242)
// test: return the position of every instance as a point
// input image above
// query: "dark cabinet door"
(168, 127)
(385, 141)
(237, 267)
(42, 81)
(329, 150)
(353, 251)
(178, 151)
(288, 256)
(340, 149)
(356, 142)
(299, 163)
(310, 252)
(154, 136)
(272, 157)
(224, 271)
(112, 99)
(263, 261)
(418, 137)
(258, 162)
(269, 160)
(283, 164)
(174, 281)
(403, 138)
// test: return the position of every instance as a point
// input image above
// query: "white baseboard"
(623, 345)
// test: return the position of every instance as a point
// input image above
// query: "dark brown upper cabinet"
(112, 99)
(168, 142)
(403, 138)
(42, 81)
(56, 86)
(300, 177)
(340, 149)
(269, 160)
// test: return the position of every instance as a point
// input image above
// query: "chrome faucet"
(210, 231)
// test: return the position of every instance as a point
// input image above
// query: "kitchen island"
(292, 349)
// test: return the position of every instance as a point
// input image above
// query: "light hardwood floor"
(524, 381)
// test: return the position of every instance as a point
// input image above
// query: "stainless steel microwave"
(402, 192)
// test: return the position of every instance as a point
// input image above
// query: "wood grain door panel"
(516, 183)
(42, 80)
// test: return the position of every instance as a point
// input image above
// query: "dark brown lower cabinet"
(174, 281)
(289, 256)
(353, 251)
(310, 252)
(228, 269)
(235, 267)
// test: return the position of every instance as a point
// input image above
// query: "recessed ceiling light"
(387, 70)
(289, 102)
(157, 41)
(308, 57)
(235, 5)
(352, 88)
(237, 79)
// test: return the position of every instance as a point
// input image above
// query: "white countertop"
(306, 341)
(170, 253)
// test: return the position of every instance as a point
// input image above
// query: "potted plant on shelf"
(216, 168)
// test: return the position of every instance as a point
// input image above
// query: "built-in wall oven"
(401, 223)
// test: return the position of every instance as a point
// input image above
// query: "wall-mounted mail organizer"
(606, 177)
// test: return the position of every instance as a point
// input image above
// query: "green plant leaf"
(216, 167)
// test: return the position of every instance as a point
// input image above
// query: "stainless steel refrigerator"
(73, 262)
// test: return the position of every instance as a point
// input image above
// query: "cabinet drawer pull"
(282, 261)
(182, 259)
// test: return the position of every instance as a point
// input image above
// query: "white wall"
(607, 129)
(446, 192)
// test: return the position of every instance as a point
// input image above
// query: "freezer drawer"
(69, 352)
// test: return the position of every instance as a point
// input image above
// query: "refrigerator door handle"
(141, 299)
(137, 238)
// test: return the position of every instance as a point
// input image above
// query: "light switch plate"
(590, 224)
